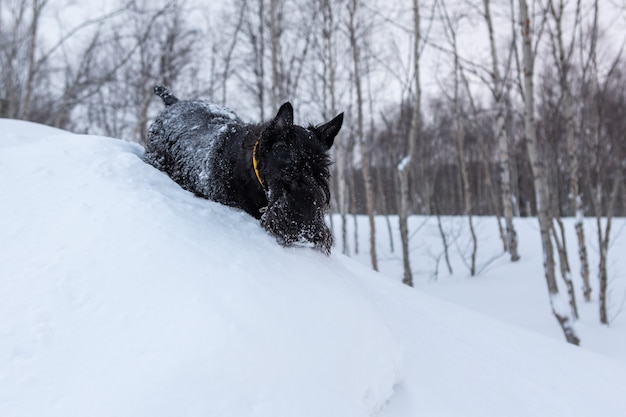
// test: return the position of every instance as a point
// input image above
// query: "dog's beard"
(293, 225)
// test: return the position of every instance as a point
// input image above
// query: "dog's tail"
(165, 94)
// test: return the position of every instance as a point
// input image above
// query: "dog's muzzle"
(291, 228)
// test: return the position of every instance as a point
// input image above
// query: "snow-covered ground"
(123, 295)
(515, 293)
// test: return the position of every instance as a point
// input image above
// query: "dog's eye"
(279, 146)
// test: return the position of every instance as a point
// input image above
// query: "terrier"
(275, 171)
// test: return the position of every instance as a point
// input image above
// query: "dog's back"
(184, 139)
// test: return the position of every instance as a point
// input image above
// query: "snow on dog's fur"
(276, 171)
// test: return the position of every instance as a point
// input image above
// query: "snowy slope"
(123, 295)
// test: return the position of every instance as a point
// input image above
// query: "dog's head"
(292, 164)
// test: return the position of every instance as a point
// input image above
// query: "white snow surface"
(123, 295)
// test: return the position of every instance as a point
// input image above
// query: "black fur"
(208, 150)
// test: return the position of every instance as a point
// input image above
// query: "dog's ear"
(329, 130)
(284, 117)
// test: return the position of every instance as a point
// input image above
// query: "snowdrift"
(123, 295)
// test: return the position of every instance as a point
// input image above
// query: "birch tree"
(329, 39)
(21, 68)
(355, 46)
(563, 59)
(606, 170)
(37, 7)
(275, 43)
(291, 30)
(500, 132)
(231, 40)
(148, 44)
(540, 180)
(451, 33)
(404, 167)
(255, 43)
(164, 55)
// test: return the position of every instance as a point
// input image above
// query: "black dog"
(276, 171)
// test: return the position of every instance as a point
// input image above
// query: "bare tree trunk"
(487, 160)
(260, 61)
(256, 36)
(404, 167)
(385, 210)
(540, 180)
(229, 53)
(604, 234)
(363, 145)
(142, 121)
(563, 58)
(275, 35)
(603, 241)
(566, 273)
(460, 136)
(444, 239)
(582, 247)
(342, 196)
(467, 193)
(37, 7)
(353, 208)
(11, 67)
(329, 34)
(602, 273)
(503, 141)
(374, 210)
(561, 246)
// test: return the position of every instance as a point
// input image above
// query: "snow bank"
(123, 295)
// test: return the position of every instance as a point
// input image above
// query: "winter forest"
(506, 108)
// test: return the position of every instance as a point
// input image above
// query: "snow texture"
(124, 295)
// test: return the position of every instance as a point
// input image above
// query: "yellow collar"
(255, 164)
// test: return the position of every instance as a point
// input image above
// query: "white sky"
(393, 41)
